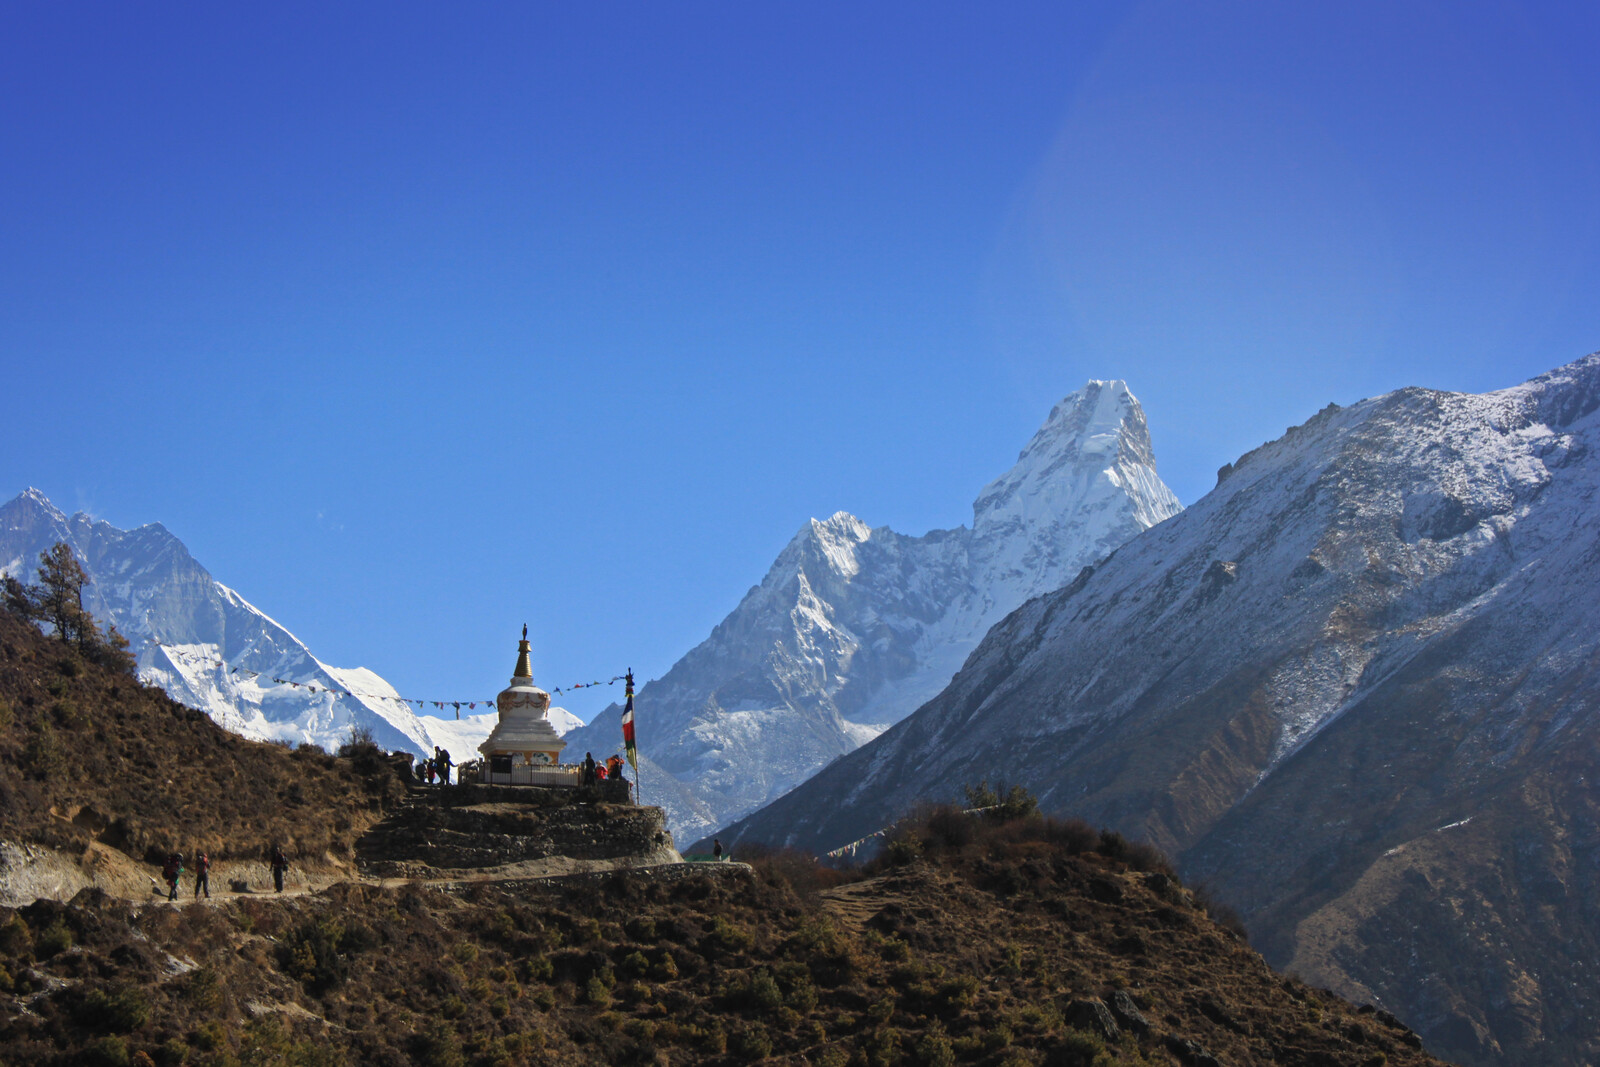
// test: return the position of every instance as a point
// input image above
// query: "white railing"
(561, 775)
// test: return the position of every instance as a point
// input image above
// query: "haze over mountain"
(1357, 686)
(147, 584)
(854, 626)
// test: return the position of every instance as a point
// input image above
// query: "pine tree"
(60, 597)
(58, 601)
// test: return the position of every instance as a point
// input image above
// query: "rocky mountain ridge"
(188, 632)
(1357, 686)
(854, 626)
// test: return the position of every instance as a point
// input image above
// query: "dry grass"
(87, 752)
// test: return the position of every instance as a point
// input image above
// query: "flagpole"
(628, 743)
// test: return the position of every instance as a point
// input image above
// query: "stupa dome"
(524, 729)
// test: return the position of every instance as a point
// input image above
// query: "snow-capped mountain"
(147, 584)
(855, 626)
(1356, 687)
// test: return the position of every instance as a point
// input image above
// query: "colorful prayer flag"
(627, 728)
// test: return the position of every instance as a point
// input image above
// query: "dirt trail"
(30, 872)
(855, 903)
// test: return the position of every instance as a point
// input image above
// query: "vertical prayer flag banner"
(627, 728)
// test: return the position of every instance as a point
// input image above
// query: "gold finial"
(524, 657)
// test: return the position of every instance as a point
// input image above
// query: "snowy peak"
(829, 544)
(31, 498)
(189, 632)
(1085, 483)
(1098, 431)
(855, 626)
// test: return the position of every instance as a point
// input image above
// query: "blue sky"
(417, 322)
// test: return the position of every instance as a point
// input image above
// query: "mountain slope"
(1357, 686)
(855, 626)
(147, 584)
(90, 759)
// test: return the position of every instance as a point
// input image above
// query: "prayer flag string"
(457, 705)
(855, 846)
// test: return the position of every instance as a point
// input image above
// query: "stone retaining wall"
(456, 836)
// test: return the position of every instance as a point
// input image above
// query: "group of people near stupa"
(594, 773)
(436, 769)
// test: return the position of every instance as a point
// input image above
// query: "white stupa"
(524, 737)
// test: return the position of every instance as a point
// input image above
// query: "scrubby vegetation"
(983, 934)
(1004, 941)
(89, 753)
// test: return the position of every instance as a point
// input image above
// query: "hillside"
(1001, 944)
(91, 757)
(855, 626)
(1002, 940)
(1357, 686)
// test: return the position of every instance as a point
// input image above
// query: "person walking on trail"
(202, 875)
(614, 766)
(171, 873)
(280, 863)
(588, 776)
(441, 760)
(716, 849)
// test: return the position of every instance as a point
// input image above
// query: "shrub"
(41, 754)
(1073, 835)
(950, 828)
(596, 992)
(1112, 845)
(203, 989)
(934, 1050)
(724, 937)
(54, 939)
(1078, 1049)
(752, 1043)
(904, 849)
(310, 954)
(117, 1010)
(360, 740)
(107, 1052)
(757, 993)
(437, 1046)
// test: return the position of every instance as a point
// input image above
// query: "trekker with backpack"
(171, 873)
(280, 863)
(202, 875)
